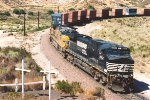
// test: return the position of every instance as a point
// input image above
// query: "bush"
(64, 86)
(22, 11)
(110, 9)
(91, 7)
(7, 13)
(30, 13)
(50, 11)
(16, 11)
(71, 9)
(122, 5)
(99, 92)
(72, 88)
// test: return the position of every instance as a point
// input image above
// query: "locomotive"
(107, 62)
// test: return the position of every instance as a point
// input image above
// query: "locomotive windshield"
(118, 52)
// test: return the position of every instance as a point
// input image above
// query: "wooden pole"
(24, 24)
(38, 19)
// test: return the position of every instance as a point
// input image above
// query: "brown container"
(147, 12)
(82, 14)
(91, 14)
(117, 13)
(71, 20)
(64, 22)
(64, 18)
(104, 13)
(73, 14)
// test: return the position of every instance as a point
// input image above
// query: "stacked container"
(103, 13)
(82, 14)
(73, 16)
(64, 18)
(117, 13)
(147, 12)
(91, 14)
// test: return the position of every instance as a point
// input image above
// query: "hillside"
(8, 4)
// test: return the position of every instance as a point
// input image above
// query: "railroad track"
(132, 96)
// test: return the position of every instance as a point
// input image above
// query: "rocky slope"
(8, 4)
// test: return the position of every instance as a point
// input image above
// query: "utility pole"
(24, 24)
(58, 8)
(38, 19)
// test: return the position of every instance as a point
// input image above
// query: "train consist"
(108, 63)
(82, 16)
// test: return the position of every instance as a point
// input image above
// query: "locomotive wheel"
(97, 76)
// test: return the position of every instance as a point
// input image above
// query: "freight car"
(106, 62)
(83, 16)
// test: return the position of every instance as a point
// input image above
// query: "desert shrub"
(13, 95)
(50, 11)
(29, 96)
(99, 92)
(16, 11)
(71, 9)
(122, 5)
(22, 11)
(30, 13)
(7, 13)
(132, 49)
(77, 87)
(91, 7)
(64, 86)
(110, 9)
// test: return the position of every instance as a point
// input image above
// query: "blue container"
(131, 11)
(56, 19)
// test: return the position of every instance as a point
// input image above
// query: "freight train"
(83, 16)
(107, 62)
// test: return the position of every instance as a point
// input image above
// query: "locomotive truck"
(108, 63)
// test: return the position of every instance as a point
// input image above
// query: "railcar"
(106, 62)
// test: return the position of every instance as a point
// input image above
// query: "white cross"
(49, 78)
(22, 76)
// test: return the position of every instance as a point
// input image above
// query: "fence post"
(44, 82)
(16, 82)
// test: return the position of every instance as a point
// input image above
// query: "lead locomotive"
(107, 62)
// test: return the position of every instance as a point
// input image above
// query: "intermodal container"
(82, 14)
(91, 14)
